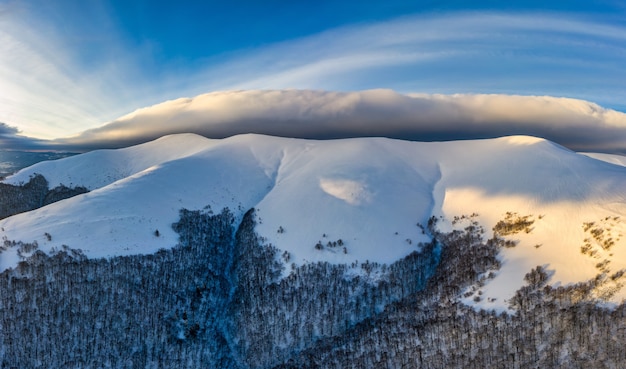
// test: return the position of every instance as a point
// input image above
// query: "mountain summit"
(341, 201)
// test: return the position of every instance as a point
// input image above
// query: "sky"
(69, 69)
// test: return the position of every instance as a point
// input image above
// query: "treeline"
(273, 317)
(15, 199)
(215, 300)
(164, 310)
(549, 327)
(222, 299)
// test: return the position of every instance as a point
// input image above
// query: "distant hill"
(12, 161)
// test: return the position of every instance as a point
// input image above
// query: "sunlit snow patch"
(352, 192)
(524, 140)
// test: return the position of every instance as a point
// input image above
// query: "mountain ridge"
(368, 192)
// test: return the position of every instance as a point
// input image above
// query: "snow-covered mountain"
(609, 158)
(366, 195)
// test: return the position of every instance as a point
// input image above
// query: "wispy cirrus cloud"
(546, 54)
(51, 87)
(577, 124)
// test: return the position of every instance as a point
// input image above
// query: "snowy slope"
(609, 158)
(368, 192)
(99, 168)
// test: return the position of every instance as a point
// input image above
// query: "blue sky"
(68, 66)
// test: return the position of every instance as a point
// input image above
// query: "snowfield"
(365, 196)
(609, 158)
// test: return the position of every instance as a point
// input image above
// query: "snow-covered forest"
(32, 195)
(218, 300)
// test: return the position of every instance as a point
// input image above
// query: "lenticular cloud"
(577, 124)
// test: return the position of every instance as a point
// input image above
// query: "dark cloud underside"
(576, 124)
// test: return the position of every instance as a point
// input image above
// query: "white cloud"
(51, 87)
(578, 124)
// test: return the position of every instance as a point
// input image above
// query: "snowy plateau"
(354, 206)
